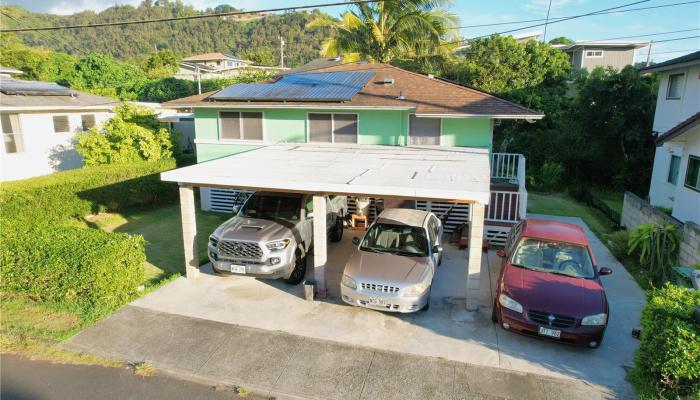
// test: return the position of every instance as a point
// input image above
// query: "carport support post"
(189, 231)
(476, 237)
(320, 244)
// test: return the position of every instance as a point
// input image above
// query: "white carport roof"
(421, 172)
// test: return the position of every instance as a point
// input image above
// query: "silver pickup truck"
(270, 236)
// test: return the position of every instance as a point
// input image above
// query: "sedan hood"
(557, 294)
(254, 229)
(366, 266)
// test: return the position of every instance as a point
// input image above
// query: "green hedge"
(47, 255)
(667, 364)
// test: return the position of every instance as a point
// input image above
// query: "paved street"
(24, 379)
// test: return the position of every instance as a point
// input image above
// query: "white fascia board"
(57, 108)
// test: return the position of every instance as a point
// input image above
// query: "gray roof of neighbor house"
(623, 44)
(678, 62)
(316, 63)
(19, 94)
(389, 88)
(679, 129)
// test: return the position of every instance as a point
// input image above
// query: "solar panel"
(30, 88)
(322, 86)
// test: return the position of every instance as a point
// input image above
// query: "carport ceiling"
(419, 172)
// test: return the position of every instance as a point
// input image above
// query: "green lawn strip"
(564, 205)
(612, 198)
(162, 230)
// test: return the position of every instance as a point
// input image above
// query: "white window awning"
(419, 172)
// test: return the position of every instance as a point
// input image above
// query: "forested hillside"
(255, 36)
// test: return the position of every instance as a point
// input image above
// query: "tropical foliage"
(391, 32)
(657, 246)
(133, 134)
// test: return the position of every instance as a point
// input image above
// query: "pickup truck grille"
(379, 288)
(235, 249)
(559, 321)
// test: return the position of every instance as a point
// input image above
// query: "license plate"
(377, 301)
(550, 332)
(238, 269)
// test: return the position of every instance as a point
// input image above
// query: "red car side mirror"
(501, 253)
(605, 271)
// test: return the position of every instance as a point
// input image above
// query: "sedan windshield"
(272, 206)
(553, 257)
(396, 239)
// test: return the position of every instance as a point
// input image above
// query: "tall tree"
(390, 31)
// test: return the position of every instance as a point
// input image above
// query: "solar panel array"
(323, 86)
(29, 88)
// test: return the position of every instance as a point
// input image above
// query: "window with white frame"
(675, 86)
(692, 175)
(594, 53)
(87, 121)
(61, 124)
(12, 134)
(241, 125)
(333, 127)
(673, 168)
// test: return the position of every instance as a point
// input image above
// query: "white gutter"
(58, 108)
(291, 106)
(494, 116)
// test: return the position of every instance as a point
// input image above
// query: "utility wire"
(202, 16)
(674, 39)
(41, 33)
(554, 19)
(637, 36)
(551, 22)
(676, 51)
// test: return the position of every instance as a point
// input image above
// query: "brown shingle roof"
(207, 57)
(427, 95)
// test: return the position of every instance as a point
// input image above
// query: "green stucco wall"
(383, 127)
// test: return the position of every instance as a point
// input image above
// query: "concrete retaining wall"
(637, 211)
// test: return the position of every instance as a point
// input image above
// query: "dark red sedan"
(549, 286)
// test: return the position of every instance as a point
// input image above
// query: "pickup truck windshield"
(396, 239)
(553, 257)
(272, 206)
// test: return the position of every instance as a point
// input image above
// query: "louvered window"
(87, 121)
(241, 125)
(333, 128)
(60, 124)
(12, 134)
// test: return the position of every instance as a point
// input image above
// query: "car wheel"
(299, 270)
(494, 317)
(337, 232)
(440, 259)
(426, 307)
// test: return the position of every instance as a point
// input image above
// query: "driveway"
(447, 332)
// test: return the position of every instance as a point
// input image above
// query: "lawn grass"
(162, 230)
(564, 205)
(613, 198)
(33, 328)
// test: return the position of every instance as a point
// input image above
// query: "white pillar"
(320, 243)
(476, 237)
(189, 231)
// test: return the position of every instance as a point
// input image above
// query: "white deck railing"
(506, 206)
(508, 166)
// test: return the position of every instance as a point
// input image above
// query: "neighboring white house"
(39, 121)
(589, 54)
(216, 65)
(6, 72)
(675, 181)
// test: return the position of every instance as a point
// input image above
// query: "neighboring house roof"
(315, 64)
(425, 95)
(678, 62)
(580, 44)
(679, 129)
(34, 95)
(10, 71)
(211, 57)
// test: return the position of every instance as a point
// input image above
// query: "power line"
(39, 32)
(637, 36)
(674, 39)
(676, 51)
(551, 22)
(554, 19)
(202, 16)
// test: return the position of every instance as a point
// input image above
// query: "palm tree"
(391, 31)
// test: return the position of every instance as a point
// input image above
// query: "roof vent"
(400, 97)
(386, 81)
(431, 76)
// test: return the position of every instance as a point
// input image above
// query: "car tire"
(299, 271)
(440, 259)
(337, 232)
(494, 317)
(426, 307)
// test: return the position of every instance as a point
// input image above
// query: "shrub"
(550, 175)
(617, 243)
(48, 257)
(667, 363)
(657, 247)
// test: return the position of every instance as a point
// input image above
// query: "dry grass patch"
(144, 369)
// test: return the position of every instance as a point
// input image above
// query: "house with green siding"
(362, 104)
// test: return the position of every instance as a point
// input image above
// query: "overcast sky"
(473, 12)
